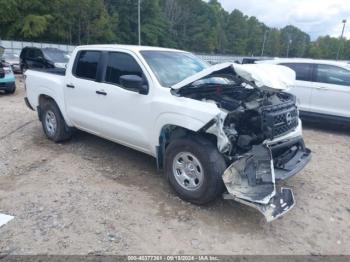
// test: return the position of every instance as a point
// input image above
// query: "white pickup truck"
(226, 130)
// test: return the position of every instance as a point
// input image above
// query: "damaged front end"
(258, 131)
(251, 180)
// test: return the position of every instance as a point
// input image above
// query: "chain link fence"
(15, 47)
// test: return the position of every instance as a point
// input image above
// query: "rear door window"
(303, 71)
(87, 64)
(330, 74)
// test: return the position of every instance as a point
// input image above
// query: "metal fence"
(15, 47)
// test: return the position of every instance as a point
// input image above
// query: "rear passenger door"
(303, 84)
(80, 91)
(331, 93)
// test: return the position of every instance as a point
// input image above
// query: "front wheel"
(194, 168)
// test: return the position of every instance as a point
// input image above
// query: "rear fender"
(50, 95)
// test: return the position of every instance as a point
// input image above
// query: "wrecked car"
(225, 130)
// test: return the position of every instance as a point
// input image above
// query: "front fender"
(180, 120)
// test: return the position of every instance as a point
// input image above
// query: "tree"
(196, 25)
(237, 32)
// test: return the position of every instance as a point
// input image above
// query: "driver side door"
(126, 113)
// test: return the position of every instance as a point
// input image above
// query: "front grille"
(279, 120)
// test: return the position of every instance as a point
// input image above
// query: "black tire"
(62, 132)
(211, 161)
(11, 90)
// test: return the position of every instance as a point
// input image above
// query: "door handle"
(322, 88)
(70, 86)
(101, 92)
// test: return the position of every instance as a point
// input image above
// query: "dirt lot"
(91, 196)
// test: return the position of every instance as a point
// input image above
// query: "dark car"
(33, 57)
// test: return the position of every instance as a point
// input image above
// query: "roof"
(305, 60)
(135, 48)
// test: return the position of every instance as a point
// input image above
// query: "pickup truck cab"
(215, 130)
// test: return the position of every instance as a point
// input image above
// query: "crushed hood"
(264, 76)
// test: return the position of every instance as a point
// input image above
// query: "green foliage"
(195, 25)
(34, 25)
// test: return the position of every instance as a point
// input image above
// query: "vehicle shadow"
(333, 127)
(132, 168)
(3, 93)
(122, 165)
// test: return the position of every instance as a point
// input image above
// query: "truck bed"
(50, 82)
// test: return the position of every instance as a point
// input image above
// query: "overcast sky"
(316, 17)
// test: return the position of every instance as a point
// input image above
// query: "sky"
(315, 17)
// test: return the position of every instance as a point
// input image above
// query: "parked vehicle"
(214, 129)
(12, 60)
(322, 87)
(7, 78)
(33, 57)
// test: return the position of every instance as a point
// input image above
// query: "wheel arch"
(170, 132)
(42, 98)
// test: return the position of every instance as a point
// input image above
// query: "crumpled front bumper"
(251, 180)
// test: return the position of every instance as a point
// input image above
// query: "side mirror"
(40, 58)
(134, 83)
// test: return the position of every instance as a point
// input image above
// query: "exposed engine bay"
(252, 115)
(252, 119)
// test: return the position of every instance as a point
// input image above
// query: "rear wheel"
(53, 123)
(194, 168)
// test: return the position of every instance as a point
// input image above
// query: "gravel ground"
(91, 196)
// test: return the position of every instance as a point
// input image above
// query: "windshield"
(56, 55)
(10, 56)
(172, 67)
